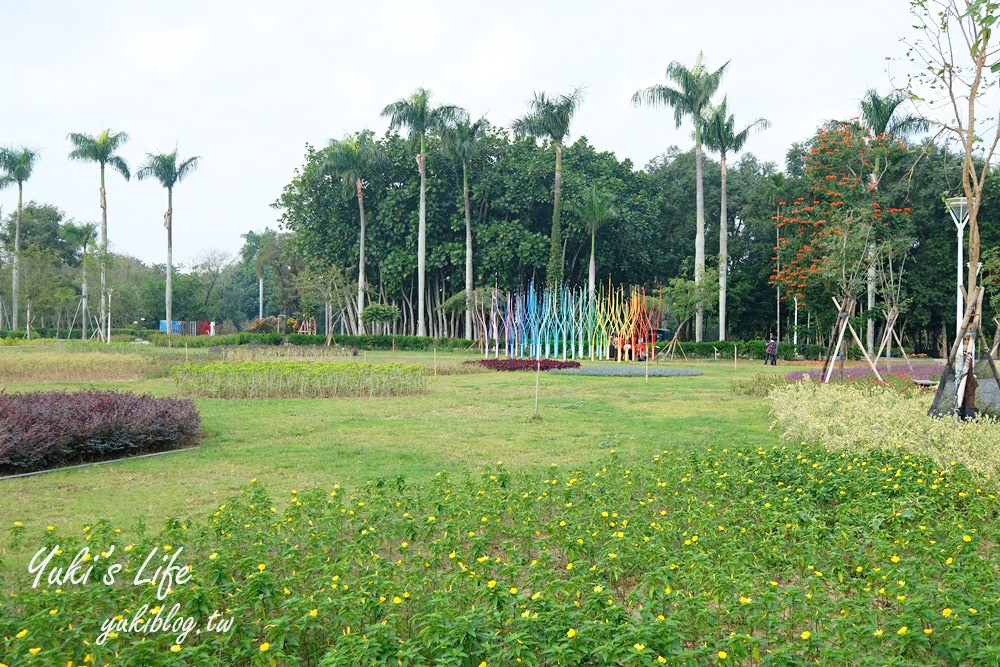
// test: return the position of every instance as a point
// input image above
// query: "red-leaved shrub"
(42, 430)
(524, 364)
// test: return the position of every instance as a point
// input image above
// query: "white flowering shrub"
(861, 418)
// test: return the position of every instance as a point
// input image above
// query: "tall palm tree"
(692, 94)
(81, 236)
(549, 118)
(594, 209)
(722, 137)
(462, 142)
(165, 169)
(352, 160)
(102, 149)
(417, 115)
(17, 164)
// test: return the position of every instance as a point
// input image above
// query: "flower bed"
(45, 430)
(627, 370)
(524, 364)
(724, 555)
(298, 379)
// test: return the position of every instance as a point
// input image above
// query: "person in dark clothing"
(771, 352)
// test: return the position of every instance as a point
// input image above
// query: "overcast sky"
(246, 85)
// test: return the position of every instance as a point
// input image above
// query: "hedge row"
(42, 430)
(524, 364)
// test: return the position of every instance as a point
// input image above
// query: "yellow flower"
(397, 600)
(660, 659)
(22, 633)
(492, 583)
(482, 664)
(946, 612)
(928, 631)
(723, 655)
(878, 633)
(571, 633)
(598, 589)
(18, 524)
(262, 567)
(513, 590)
(313, 612)
(966, 538)
(264, 647)
(902, 631)
(213, 556)
(639, 647)
(806, 634)
(34, 651)
(895, 559)
(176, 648)
(569, 566)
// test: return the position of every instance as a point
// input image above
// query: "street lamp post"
(958, 207)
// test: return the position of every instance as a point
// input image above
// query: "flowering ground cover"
(781, 555)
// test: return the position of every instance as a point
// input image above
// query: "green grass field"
(631, 523)
(464, 421)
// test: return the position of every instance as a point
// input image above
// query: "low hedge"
(524, 364)
(42, 430)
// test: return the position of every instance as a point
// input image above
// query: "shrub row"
(42, 430)
(523, 364)
(298, 379)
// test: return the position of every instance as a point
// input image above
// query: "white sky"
(245, 85)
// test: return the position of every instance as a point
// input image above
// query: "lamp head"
(958, 207)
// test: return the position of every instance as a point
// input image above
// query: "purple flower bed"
(42, 430)
(524, 364)
(900, 371)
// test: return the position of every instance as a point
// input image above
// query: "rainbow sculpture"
(565, 324)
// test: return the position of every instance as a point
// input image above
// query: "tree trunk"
(104, 252)
(870, 333)
(170, 265)
(723, 250)
(468, 252)
(421, 241)
(554, 270)
(699, 235)
(361, 259)
(592, 271)
(83, 296)
(16, 274)
(260, 296)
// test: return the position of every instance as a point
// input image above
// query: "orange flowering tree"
(828, 239)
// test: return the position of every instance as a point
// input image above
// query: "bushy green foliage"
(298, 379)
(864, 417)
(783, 555)
(42, 430)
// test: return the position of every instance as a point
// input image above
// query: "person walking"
(771, 352)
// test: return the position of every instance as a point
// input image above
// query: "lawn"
(464, 420)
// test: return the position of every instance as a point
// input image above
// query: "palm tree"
(549, 118)
(102, 150)
(352, 160)
(693, 92)
(17, 164)
(879, 116)
(81, 236)
(594, 209)
(462, 142)
(165, 169)
(416, 113)
(722, 137)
